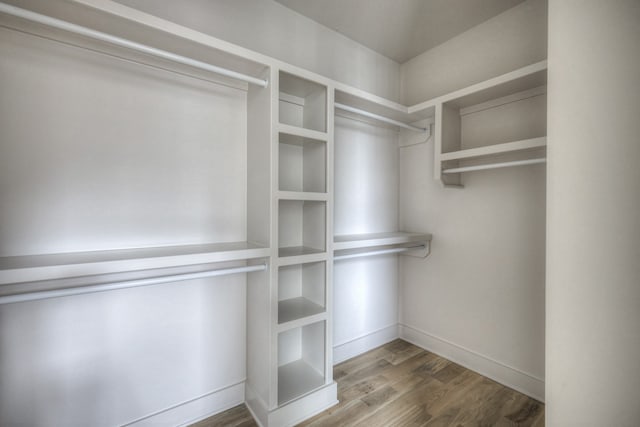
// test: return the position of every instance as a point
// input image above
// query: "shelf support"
(118, 41)
(55, 293)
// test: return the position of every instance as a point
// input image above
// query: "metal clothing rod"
(379, 252)
(495, 166)
(97, 35)
(55, 293)
(377, 117)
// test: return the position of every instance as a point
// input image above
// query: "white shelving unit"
(497, 123)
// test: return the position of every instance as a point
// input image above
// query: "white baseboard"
(364, 343)
(511, 377)
(193, 410)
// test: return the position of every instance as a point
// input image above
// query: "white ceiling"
(400, 29)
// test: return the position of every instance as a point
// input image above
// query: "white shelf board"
(508, 147)
(298, 141)
(356, 241)
(296, 379)
(302, 321)
(298, 251)
(303, 196)
(31, 268)
(529, 77)
(302, 132)
(297, 308)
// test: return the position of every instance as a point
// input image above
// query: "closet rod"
(494, 166)
(377, 117)
(118, 41)
(55, 293)
(379, 252)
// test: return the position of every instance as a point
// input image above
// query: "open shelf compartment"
(502, 119)
(303, 103)
(301, 291)
(301, 227)
(302, 164)
(301, 361)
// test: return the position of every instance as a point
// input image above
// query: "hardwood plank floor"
(400, 384)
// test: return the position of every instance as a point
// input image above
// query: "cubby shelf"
(301, 195)
(298, 251)
(301, 360)
(31, 268)
(296, 379)
(357, 241)
(297, 308)
(300, 132)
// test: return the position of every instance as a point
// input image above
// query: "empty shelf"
(296, 379)
(302, 133)
(63, 265)
(355, 241)
(509, 147)
(297, 308)
(297, 251)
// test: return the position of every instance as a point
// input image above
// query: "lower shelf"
(296, 308)
(296, 379)
(298, 250)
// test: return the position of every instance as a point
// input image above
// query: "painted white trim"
(364, 343)
(195, 409)
(511, 377)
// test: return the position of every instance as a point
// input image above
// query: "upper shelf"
(356, 241)
(32, 268)
(529, 77)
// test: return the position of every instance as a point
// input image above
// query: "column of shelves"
(302, 203)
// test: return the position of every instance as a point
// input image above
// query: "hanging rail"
(118, 41)
(378, 252)
(378, 117)
(494, 166)
(55, 293)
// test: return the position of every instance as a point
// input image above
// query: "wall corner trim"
(511, 377)
(196, 409)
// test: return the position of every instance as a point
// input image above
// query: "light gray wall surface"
(366, 201)
(593, 273)
(274, 30)
(508, 41)
(98, 153)
(479, 297)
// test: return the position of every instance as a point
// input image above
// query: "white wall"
(513, 39)
(99, 153)
(593, 276)
(274, 30)
(479, 298)
(366, 201)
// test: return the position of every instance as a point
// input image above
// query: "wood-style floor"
(400, 384)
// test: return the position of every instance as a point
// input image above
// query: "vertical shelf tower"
(289, 352)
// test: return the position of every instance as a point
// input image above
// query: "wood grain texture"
(399, 384)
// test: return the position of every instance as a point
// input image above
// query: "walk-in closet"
(297, 212)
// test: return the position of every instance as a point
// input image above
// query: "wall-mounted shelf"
(359, 241)
(31, 268)
(507, 147)
(503, 119)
